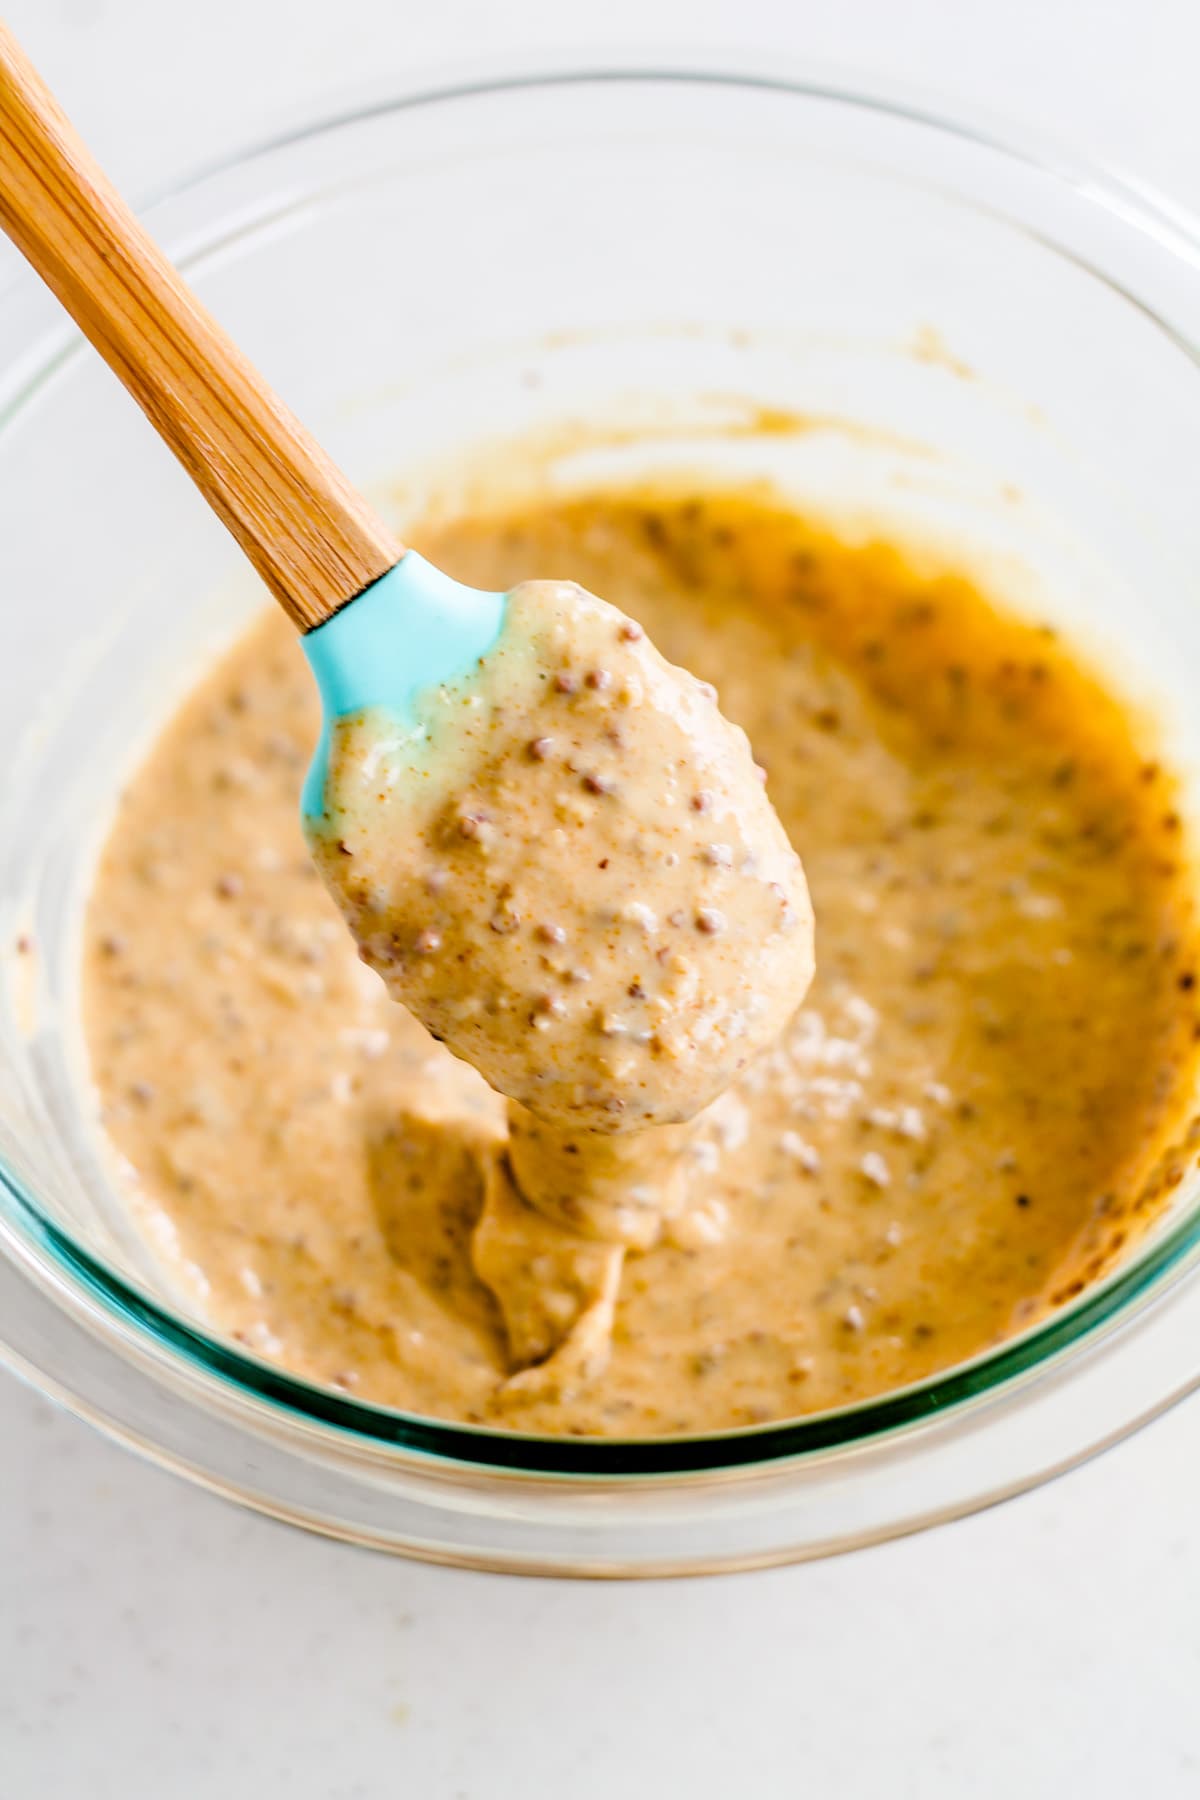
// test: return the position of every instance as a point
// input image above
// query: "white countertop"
(156, 1644)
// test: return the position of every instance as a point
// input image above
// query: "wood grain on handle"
(311, 536)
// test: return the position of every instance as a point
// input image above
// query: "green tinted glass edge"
(484, 1448)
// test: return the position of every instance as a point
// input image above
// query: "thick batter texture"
(566, 866)
(966, 1118)
(568, 869)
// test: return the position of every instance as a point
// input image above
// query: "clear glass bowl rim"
(116, 1309)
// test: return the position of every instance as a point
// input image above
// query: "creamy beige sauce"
(566, 866)
(961, 1123)
(568, 869)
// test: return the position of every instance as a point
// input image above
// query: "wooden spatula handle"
(310, 535)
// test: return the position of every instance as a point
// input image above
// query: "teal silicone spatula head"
(411, 631)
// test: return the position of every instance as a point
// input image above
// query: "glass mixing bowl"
(903, 321)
